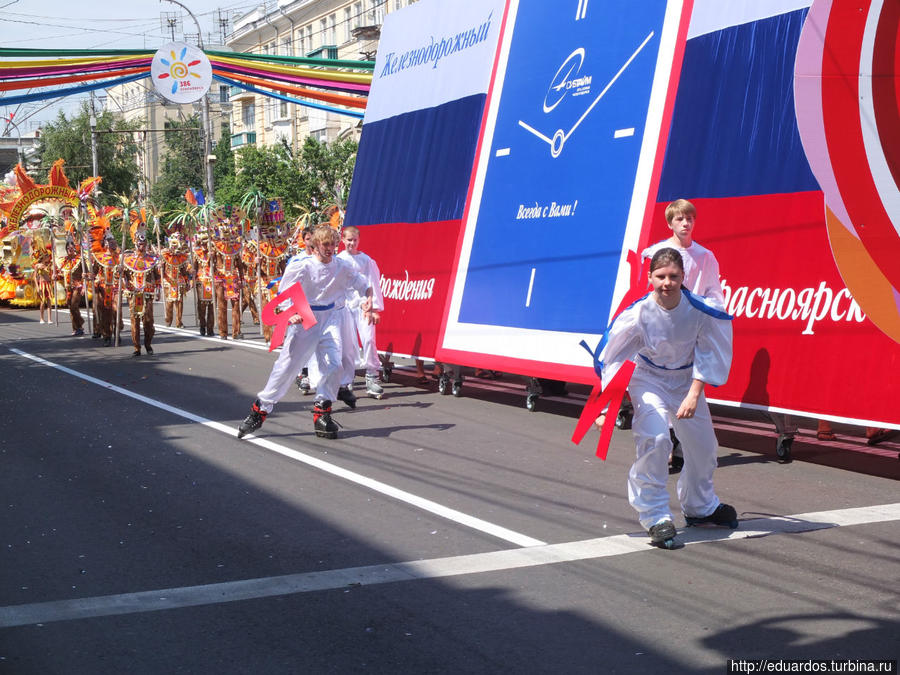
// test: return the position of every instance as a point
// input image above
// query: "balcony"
(245, 138)
(323, 52)
(235, 93)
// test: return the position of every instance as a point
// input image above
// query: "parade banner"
(568, 165)
(779, 120)
(418, 144)
(755, 133)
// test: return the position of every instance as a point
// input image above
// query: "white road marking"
(401, 495)
(530, 288)
(502, 152)
(437, 568)
(623, 133)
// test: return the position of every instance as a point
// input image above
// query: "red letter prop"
(299, 306)
(613, 395)
(639, 284)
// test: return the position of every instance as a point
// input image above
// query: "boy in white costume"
(356, 321)
(359, 320)
(701, 271)
(325, 280)
(679, 344)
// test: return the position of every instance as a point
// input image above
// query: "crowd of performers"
(216, 266)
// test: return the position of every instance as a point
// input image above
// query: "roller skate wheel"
(623, 420)
(531, 402)
(443, 382)
(783, 448)
(457, 388)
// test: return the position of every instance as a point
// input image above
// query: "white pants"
(349, 351)
(366, 330)
(320, 344)
(657, 395)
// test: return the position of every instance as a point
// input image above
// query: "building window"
(332, 29)
(348, 24)
(398, 4)
(286, 46)
(248, 115)
(223, 93)
(323, 30)
(375, 12)
(357, 14)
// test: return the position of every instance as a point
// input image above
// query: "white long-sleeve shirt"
(660, 340)
(368, 268)
(323, 283)
(701, 269)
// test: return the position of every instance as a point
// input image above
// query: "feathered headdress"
(71, 235)
(99, 232)
(87, 187)
(139, 226)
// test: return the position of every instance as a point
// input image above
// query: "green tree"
(224, 169)
(70, 139)
(329, 167)
(274, 171)
(182, 165)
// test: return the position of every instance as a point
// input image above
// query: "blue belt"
(655, 365)
(321, 308)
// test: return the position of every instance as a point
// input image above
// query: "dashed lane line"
(428, 505)
(437, 568)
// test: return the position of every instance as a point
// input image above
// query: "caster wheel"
(531, 402)
(443, 385)
(668, 543)
(783, 448)
(386, 374)
(623, 420)
(457, 388)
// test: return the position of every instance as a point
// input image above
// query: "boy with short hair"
(701, 270)
(325, 280)
(359, 320)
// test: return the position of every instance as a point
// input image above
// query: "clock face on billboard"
(181, 73)
(566, 162)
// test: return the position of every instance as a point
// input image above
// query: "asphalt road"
(435, 535)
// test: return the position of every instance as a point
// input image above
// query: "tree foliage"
(182, 164)
(70, 139)
(316, 178)
(330, 169)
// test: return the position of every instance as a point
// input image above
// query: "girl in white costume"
(359, 319)
(325, 280)
(679, 344)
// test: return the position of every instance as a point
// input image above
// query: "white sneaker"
(372, 386)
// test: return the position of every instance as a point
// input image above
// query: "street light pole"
(19, 153)
(205, 116)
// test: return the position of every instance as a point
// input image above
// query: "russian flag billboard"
(420, 132)
(778, 119)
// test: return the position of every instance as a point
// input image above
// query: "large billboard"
(777, 119)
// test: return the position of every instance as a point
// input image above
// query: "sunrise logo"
(181, 73)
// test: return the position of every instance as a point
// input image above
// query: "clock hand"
(535, 132)
(609, 84)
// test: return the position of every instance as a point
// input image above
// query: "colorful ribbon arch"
(335, 85)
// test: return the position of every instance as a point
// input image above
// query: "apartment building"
(139, 100)
(342, 29)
